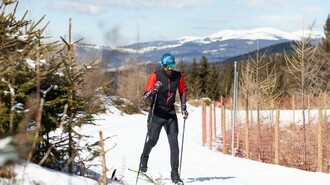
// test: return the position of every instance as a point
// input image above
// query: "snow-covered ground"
(199, 165)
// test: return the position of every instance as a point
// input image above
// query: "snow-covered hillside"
(264, 33)
(200, 165)
(217, 47)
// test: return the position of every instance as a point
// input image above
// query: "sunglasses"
(169, 66)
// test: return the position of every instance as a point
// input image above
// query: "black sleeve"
(148, 96)
(183, 102)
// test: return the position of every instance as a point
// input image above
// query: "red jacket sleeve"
(182, 87)
(151, 82)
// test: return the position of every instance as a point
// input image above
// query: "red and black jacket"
(167, 92)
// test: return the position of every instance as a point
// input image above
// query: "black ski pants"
(170, 124)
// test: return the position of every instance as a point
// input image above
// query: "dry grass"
(291, 151)
(6, 172)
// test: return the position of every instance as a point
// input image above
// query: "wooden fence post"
(325, 115)
(293, 110)
(320, 142)
(223, 126)
(309, 109)
(214, 121)
(277, 137)
(247, 144)
(210, 127)
(203, 123)
(104, 167)
(237, 138)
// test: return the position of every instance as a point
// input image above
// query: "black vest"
(167, 92)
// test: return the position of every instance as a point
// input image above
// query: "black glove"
(184, 111)
(157, 86)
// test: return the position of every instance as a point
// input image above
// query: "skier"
(164, 83)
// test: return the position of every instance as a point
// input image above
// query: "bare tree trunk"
(210, 127)
(247, 146)
(260, 151)
(277, 137)
(12, 111)
(223, 128)
(203, 123)
(39, 105)
(304, 122)
(214, 120)
(309, 110)
(70, 103)
(293, 110)
(320, 142)
(104, 167)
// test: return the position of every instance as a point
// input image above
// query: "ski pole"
(184, 125)
(145, 141)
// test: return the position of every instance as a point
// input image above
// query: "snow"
(31, 63)
(188, 39)
(268, 33)
(199, 166)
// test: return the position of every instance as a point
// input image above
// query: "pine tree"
(226, 76)
(213, 88)
(203, 75)
(323, 54)
(28, 72)
(20, 41)
(192, 81)
(182, 67)
(74, 110)
(326, 39)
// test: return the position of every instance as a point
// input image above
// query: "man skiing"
(160, 91)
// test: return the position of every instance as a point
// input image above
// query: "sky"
(200, 165)
(122, 22)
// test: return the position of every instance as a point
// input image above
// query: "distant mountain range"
(217, 47)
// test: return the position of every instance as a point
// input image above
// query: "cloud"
(98, 6)
(79, 7)
(313, 9)
(264, 3)
(279, 18)
(294, 21)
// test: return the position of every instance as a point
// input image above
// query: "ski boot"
(175, 177)
(144, 163)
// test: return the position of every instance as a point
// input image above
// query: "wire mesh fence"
(279, 136)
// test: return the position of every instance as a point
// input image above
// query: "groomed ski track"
(199, 166)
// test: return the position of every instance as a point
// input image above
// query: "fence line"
(276, 139)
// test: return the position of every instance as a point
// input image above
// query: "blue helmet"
(167, 59)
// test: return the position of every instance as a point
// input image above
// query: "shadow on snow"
(202, 179)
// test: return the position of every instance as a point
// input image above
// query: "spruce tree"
(192, 81)
(226, 76)
(74, 106)
(326, 39)
(28, 62)
(182, 67)
(323, 54)
(213, 88)
(19, 43)
(203, 75)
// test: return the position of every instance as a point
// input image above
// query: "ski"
(147, 177)
(179, 183)
(157, 180)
